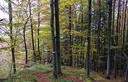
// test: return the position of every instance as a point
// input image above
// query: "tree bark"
(98, 33)
(32, 33)
(53, 39)
(57, 36)
(109, 38)
(124, 25)
(70, 35)
(89, 38)
(38, 40)
(117, 38)
(25, 44)
(11, 36)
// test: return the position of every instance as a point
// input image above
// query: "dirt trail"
(43, 77)
(74, 78)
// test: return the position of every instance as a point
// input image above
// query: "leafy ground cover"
(43, 73)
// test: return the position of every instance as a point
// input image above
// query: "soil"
(41, 77)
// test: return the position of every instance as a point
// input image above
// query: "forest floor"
(43, 73)
(69, 75)
(66, 77)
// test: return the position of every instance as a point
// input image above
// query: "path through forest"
(41, 77)
(44, 76)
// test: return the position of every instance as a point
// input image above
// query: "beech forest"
(63, 40)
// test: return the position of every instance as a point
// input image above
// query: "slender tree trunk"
(117, 38)
(89, 38)
(25, 44)
(124, 25)
(53, 39)
(113, 22)
(11, 36)
(38, 40)
(82, 37)
(113, 38)
(124, 33)
(70, 35)
(109, 38)
(57, 36)
(32, 33)
(98, 31)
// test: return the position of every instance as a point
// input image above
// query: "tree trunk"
(25, 44)
(113, 38)
(57, 36)
(11, 36)
(124, 25)
(70, 36)
(98, 35)
(32, 33)
(89, 38)
(126, 73)
(38, 40)
(117, 38)
(109, 38)
(53, 39)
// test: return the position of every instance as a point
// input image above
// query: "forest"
(63, 40)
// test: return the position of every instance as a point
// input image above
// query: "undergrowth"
(25, 75)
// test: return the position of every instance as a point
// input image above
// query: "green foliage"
(88, 80)
(74, 72)
(97, 76)
(2, 40)
(27, 79)
(36, 68)
(26, 74)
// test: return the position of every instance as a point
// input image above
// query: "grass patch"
(88, 80)
(36, 68)
(97, 76)
(26, 74)
(74, 72)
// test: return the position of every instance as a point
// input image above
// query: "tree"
(38, 40)
(98, 29)
(57, 25)
(89, 38)
(32, 33)
(53, 39)
(11, 36)
(25, 44)
(124, 40)
(70, 36)
(109, 38)
(117, 36)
